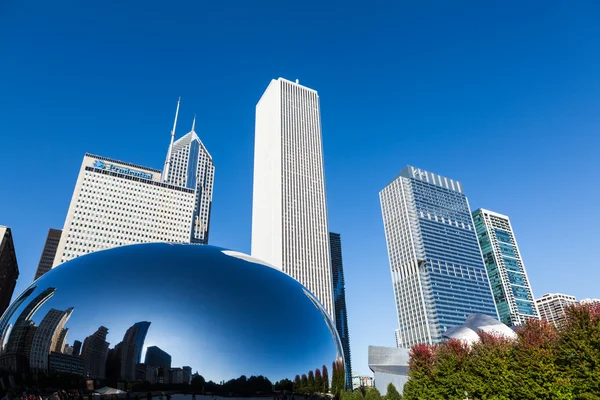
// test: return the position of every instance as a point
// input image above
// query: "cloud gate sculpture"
(158, 313)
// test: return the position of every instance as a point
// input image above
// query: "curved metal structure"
(467, 332)
(156, 312)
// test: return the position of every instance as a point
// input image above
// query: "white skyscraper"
(190, 165)
(117, 203)
(289, 210)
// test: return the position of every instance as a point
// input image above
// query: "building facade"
(552, 306)
(339, 301)
(49, 336)
(438, 274)
(48, 253)
(506, 270)
(190, 165)
(117, 203)
(9, 269)
(289, 210)
(156, 357)
(94, 353)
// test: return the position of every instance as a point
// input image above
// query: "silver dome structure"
(467, 332)
(155, 313)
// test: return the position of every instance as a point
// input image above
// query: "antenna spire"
(194, 124)
(165, 174)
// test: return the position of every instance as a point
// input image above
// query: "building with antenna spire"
(117, 203)
(191, 166)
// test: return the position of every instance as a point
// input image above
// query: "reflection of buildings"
(552, 306)
(438, 274)
(508, 279)
(9, 312)
(187, 375)
(9, 270)
(145, 373)
(48, 253)
(339, 301)
(76, 347)
(20, 339)
(128, 353)
(289, 212)
(157, 358)
(49, 336)
(66, 364)
(175, 376)
(94, 353)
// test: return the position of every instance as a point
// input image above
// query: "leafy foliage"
(544, 362)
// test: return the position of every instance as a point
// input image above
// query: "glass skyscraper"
(438, 274)
(339, 301)
(510, 285)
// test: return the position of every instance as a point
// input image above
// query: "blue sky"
(500, 96)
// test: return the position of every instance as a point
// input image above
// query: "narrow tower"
(165, 172)
(289, 212)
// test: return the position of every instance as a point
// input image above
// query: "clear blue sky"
(503, 97)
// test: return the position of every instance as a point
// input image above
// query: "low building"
(359, 381)
(552, 306)
(66, 364)
(390, 365)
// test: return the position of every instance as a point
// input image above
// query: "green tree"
(392, 393)
(372, 394)
(338, 381)
(311, 382)
(325, 379)
(578, 350)
(318, 381)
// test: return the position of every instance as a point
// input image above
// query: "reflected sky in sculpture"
(222, 315)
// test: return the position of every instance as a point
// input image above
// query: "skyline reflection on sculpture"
(38, 336)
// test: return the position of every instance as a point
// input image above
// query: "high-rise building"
(289, 211)
(76, 347)
(155, 357)
(339, 301)
(117, 203)
(506, 271)
(552, 306)
(47, 338)
(190, 165)
(130, 349)
(9, 269)
(187, 375)
(49, 252)
(94, 353)
(438, 274)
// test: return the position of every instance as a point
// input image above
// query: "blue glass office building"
(510, 285)
(438, 274)
(339, 301)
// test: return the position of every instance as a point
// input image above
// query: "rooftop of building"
(412, 172)
(122, 162)
(486, 211)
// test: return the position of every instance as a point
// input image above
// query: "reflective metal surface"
(160, 312)
(474, 323)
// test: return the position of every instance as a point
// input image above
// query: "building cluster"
(447, 262)
(27, 347)
(117, 203)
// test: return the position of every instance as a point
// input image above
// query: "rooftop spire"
(165, 173)
(194, 124)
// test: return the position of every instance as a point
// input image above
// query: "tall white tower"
(191, 166)
(289, 210)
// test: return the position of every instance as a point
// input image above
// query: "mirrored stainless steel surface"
(161, 312)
